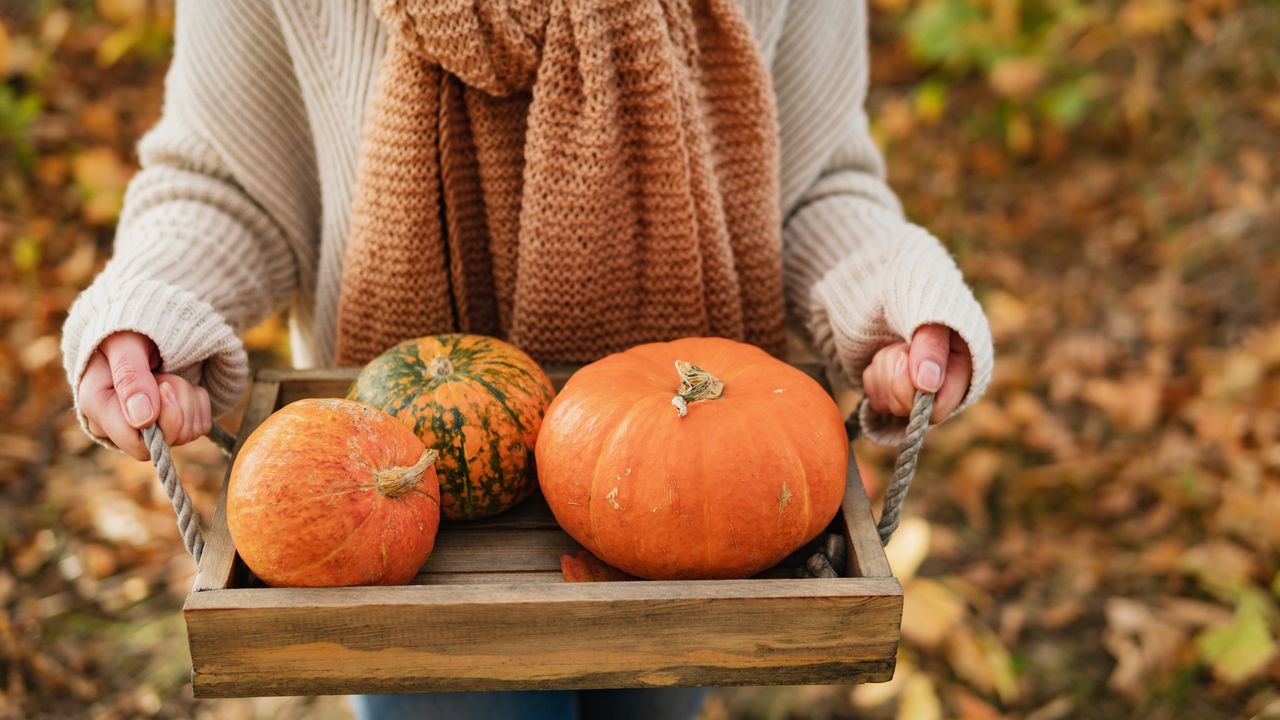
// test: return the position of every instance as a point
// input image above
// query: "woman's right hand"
(120, 394)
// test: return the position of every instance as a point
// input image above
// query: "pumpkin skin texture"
(479, 401)
(726, 491)
(329, 492)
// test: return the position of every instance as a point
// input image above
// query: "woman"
(577, 176)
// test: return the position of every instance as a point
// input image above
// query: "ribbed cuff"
(193, 339)
(862, 305)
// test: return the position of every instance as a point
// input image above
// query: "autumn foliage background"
(1098, 538)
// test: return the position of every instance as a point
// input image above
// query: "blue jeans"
(638, 704)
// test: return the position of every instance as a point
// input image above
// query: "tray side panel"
(542, 636)
(218, 560)
(300, 384)
(866, 556)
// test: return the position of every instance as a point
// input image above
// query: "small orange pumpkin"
(699, 458)
(330, 492)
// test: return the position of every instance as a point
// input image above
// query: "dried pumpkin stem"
(396, 481)
(695, 384)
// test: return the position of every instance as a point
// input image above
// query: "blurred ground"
(1099, 538)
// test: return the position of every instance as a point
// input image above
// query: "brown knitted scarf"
(576, 175)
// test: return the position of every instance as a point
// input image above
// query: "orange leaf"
(585, 567)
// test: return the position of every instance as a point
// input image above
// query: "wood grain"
(866, 554)
(539, 636)
(499, 550)
(299, 384)
(488, 578)
(219, 559)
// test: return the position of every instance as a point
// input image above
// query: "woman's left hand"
(936, 360)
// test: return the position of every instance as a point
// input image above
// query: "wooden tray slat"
(541, 636)
(866, 556)
(488, 578)
(499, 550)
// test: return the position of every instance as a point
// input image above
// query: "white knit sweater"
(243, 200)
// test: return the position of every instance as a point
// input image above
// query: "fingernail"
(138, 408)
(166, 391)
(901, 365)
(929, 376)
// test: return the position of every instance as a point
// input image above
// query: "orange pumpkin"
(329, 492)
(699, 458)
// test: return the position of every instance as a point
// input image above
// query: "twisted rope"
(829, 560)
(188, 520)
(904, 468)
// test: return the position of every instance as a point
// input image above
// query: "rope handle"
(904, 468)
(167, 472)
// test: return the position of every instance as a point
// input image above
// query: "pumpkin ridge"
(641, 352)
(804, 476)
(595, 472)
(291, 503)
(427, 495)
(706, 508)
(464, 464)
(498, 395)
(418, 515)
(736, 373)
(372, 507)
(743, 429)
(484, 364)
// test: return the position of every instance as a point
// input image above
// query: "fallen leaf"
(976, 655)
(123, 11)
(1223, 568)
(930, 612)
(6, 49)
(1143, 643)
(1007, 314)
(971, 707)
(101, 177)
(1241, 648)
(119, 43)
(1017, 77)
(908, 548)
(1148, 17)
(919, 700)
(1055, 709)
(971, 481)
(585, 567)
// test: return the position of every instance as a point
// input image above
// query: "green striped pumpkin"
(478, 401)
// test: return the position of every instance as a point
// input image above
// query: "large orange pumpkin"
(699, 458)
(329, 492)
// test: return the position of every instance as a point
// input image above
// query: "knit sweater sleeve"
(205, 247)
(858, 274)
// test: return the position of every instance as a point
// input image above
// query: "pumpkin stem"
(396, 481)
(440, 366)
(695, 384)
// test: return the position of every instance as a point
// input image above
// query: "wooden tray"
(490, 611)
